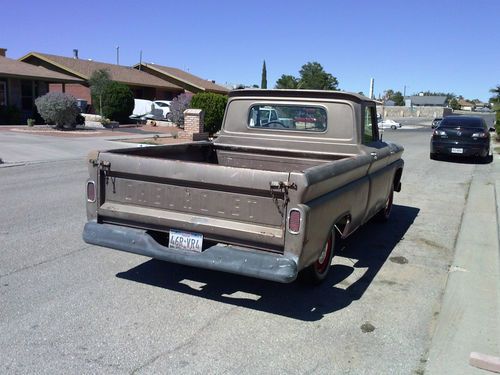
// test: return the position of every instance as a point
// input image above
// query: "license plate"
(185, 241)
(457, 150)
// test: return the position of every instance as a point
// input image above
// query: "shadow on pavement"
(368, 249)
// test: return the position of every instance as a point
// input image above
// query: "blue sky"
(439, 45)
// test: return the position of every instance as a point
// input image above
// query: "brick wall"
(75, 89)
(193, 126)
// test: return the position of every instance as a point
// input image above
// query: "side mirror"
(492, 129)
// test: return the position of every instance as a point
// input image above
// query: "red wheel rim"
(323, 261)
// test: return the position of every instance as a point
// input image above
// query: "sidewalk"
(469, 320)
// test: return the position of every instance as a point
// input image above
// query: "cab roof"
(316, 94)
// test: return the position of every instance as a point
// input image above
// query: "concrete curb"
(469, 320)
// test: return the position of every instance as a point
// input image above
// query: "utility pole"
(140, 60)
(117, 55)
(372, 84)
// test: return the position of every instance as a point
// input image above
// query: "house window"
(3, 93)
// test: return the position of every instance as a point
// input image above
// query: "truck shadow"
(365, 252)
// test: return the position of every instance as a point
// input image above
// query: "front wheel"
(318, 271)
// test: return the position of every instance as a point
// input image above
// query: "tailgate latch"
(279, 190)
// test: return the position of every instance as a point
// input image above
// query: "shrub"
(117, 102)
(9, 115)
(178, 105)
(213, 105)
(31, 122)
(58, 108)
(497, 123)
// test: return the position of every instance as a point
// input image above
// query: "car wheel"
(318, 271)
(393, 127)
(384, 214)
(168, 117)
(433, 156)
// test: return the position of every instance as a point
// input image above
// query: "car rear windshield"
(465, 122)
(287, 117)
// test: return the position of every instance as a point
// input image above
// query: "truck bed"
(207, 152)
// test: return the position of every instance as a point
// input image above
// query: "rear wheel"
(318, 271)
(433, 156)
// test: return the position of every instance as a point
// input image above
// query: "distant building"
(425, 100)
(466, 105)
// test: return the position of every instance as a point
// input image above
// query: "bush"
(497, 123)
(214, 106)
(117, 102)
(9, 115)
(178, 105)
(58, 108)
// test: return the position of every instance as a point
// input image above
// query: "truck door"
(379, 173)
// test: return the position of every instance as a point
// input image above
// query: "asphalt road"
(67, 307)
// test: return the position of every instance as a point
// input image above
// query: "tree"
(314, 77)
(398, 98)
(98, 82)
(496, 91)
(388, 94)
(117, 102)
(453, 103)
(263, 82)
(287, 82)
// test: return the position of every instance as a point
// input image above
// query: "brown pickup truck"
(290, 172)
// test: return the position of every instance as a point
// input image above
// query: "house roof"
(185, 77)
(19, 69)
(84, 69)
(428, 100)
(465, 103)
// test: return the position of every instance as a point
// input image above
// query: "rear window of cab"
(287, 117)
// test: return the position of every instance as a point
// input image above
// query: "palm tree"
(496, 91)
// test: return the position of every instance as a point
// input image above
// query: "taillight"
(294, 219)
(91, 191)
(439, 133)
(480, 135)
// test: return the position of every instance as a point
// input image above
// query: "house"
(187, 81)
(426, 100)
(466, 105)
(22, 83)
(142, 84)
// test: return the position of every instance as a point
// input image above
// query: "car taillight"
(480, 135)
(294, 219)
(91, 191)
(439, 133)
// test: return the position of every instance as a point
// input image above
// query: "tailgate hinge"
(279, 189)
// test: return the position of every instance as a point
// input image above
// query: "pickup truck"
(266, 199)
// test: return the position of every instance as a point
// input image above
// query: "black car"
(461, 136)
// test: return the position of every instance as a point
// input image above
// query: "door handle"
(374, 155)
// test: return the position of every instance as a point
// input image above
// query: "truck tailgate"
(225, 204)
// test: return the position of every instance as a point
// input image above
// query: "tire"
(385, 213)
(433, 156)
(168, 117)
(393, 127)
(488, 159)
(317, 272)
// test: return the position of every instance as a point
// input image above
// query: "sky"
(439, 45)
